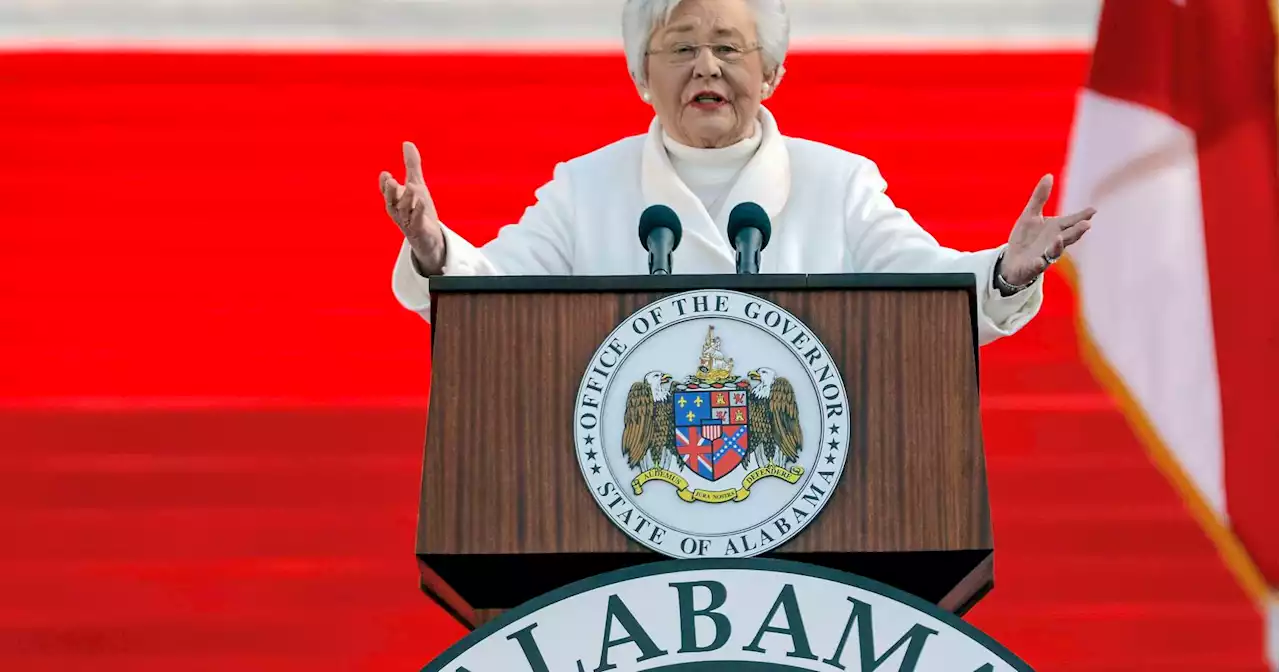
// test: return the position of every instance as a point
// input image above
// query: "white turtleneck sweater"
(710, 173)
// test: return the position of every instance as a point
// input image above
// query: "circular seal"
(711, 423)
(757, 614)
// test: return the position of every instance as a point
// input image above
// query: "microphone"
(749, 230)
(660, 233)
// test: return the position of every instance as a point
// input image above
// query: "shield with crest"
(711, 427)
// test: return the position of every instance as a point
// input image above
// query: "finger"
(1065, 222)
(422, 200)
(392, 194)
(405, 201)
(1039, 196)
(389, 198)
(1071, 235)
(416, 209)
(390, 188)
(412, 165)
(1055, 248)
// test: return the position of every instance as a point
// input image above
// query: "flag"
(1175, 144)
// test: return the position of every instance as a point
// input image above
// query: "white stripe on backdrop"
(396, 24)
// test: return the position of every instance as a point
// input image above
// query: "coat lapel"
(766, 179)
(662, 186)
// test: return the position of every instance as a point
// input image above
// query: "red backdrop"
(211, 407)
(210, 225)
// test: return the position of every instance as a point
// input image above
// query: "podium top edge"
(650, 283)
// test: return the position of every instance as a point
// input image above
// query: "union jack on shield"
(712, 451)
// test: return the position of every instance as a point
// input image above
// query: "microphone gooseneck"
(660, 234)
(749, 231)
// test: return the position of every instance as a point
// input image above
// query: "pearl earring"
(646, 96)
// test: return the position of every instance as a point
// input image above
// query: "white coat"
(828, 208)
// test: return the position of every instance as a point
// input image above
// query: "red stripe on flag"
(1141, 55)
(1210, 65)
(1236, 140)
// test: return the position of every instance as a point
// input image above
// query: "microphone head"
(659, 216)
(748, 214)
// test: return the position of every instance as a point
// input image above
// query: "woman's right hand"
(412, 210)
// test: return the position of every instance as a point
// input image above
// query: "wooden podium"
(505, 515)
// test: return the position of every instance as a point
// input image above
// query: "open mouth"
(708, 100)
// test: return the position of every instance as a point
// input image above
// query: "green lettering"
(532, 653)
(794, 628)
(861, 613)
(689, 615)
(635, 635)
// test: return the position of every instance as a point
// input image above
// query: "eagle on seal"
(774, 420)
(649, 424)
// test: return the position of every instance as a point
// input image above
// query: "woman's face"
(707, 96)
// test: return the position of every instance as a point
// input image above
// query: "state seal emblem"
(712, 424)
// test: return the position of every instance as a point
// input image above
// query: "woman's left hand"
(1037, 241)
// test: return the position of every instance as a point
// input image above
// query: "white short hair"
(641, 17)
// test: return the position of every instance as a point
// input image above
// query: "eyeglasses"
(685, 52)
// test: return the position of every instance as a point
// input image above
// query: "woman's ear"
(771, 81)
(642, 91)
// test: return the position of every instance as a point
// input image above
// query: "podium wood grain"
(500, 475)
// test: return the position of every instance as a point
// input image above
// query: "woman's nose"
(706, 64)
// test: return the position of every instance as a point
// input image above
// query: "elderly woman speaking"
(706, 66)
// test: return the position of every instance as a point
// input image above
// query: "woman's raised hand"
(412, 210)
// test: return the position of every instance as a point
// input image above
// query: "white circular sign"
(759, 615)
(712, 423)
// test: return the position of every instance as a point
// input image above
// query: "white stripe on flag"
(1142, 275)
